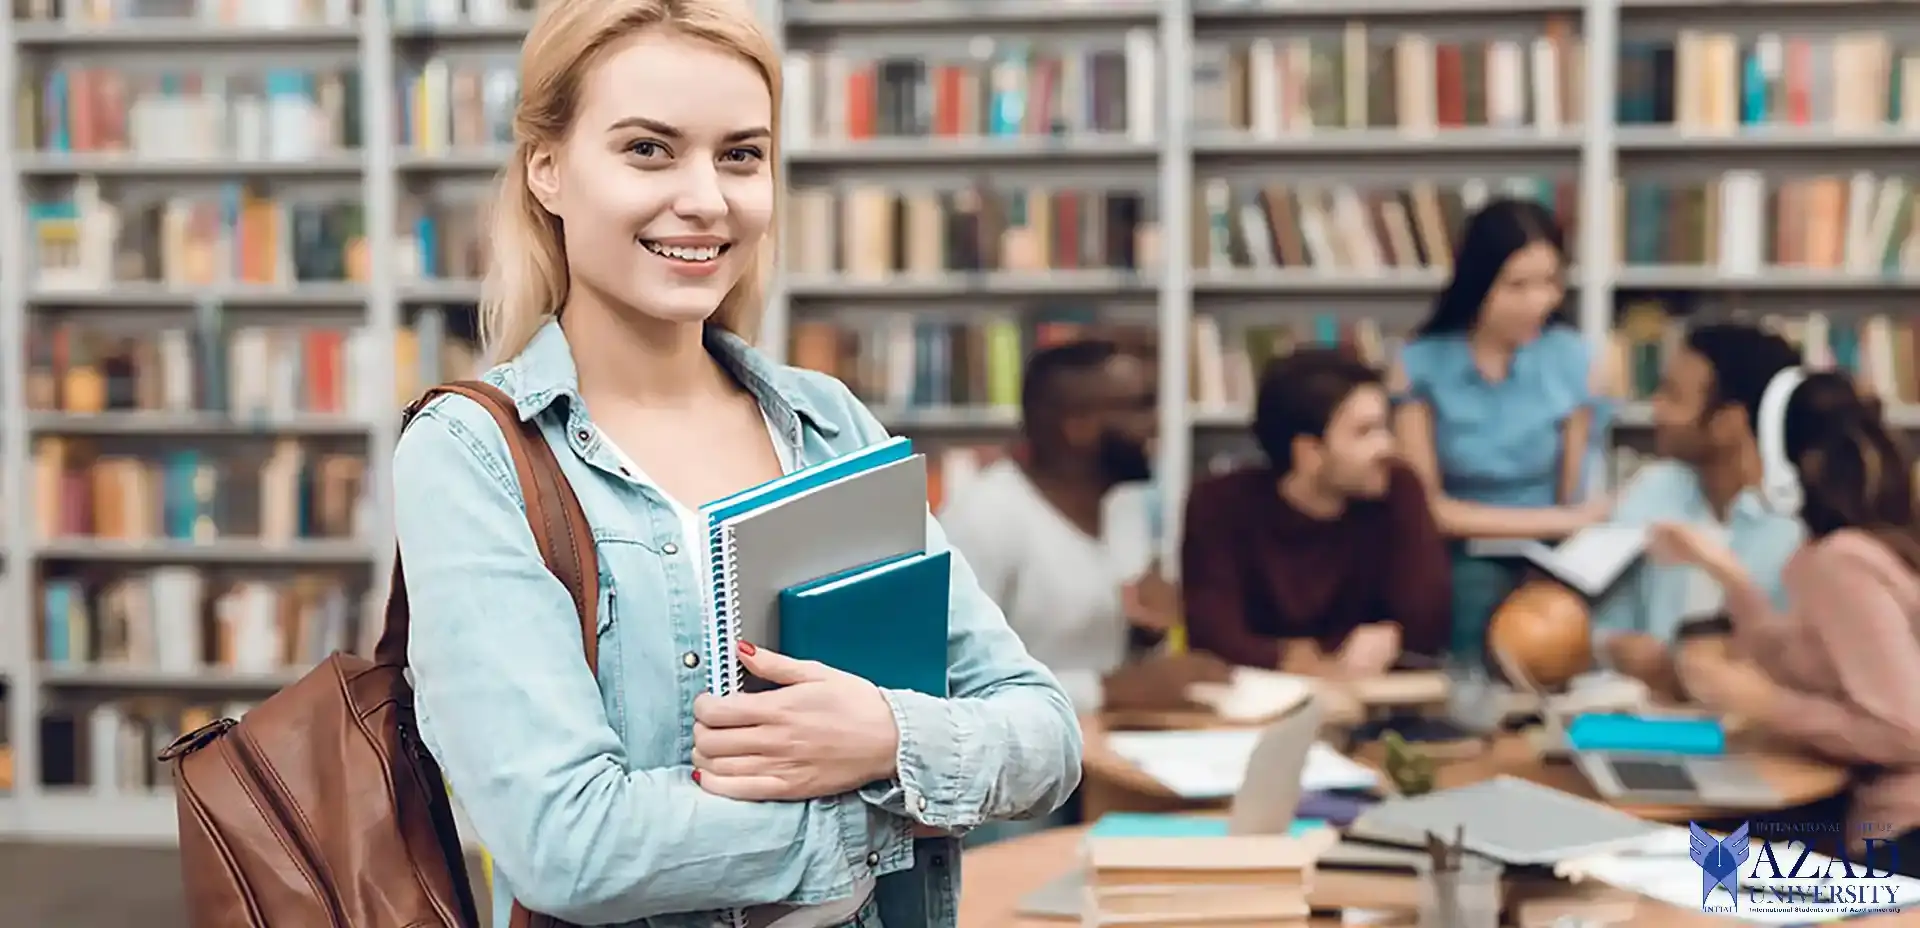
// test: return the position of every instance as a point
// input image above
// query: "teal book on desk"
(886, 622)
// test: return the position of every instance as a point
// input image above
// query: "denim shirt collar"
(544, 373)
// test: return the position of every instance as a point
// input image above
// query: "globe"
(1546, 629)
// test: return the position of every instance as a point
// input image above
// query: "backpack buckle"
(196, 739)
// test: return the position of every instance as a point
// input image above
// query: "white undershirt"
(693, 547)
(1059, 587)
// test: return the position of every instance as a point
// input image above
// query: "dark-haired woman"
(1500, 404)
(1839, 671)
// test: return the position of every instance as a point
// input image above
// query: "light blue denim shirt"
(582, 790)
(1653, 598)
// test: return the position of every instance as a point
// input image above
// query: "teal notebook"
(885, 622)
(1176, 825)
(1647, 735)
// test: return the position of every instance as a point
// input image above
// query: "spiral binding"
(724, 673)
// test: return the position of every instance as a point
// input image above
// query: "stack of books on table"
(1188, 872)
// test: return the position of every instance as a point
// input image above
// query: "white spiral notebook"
(838, 515)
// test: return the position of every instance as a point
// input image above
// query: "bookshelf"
(1181, 108)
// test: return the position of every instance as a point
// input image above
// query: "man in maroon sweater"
(1325, 561)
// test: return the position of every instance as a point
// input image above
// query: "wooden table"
(1112, 783)
(999, 875)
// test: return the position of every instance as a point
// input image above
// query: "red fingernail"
(747, 648)
(696, 776)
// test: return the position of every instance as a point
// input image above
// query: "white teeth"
(684, 252)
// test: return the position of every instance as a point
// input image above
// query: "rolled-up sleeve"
(510, 710)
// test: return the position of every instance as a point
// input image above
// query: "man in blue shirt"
(1708, 473)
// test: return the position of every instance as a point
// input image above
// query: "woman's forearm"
(1461, 519)
(1574, 436)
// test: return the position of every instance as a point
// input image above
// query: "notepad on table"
(857, 510)
(1211, 764)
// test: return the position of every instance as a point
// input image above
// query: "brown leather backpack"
(321, 808)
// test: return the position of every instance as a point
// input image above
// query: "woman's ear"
(543, 178)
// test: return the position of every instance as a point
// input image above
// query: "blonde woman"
(631, 235)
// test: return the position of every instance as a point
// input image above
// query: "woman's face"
(1525, 293)
(664, 187)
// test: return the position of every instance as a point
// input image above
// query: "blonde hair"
(527, 280)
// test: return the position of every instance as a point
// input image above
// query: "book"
(885, 622)
(1590, 560)
(1179, 825)
(854, 510)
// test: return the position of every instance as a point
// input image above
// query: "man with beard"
(1704, 415)
(1056, 533)
(1326, 559)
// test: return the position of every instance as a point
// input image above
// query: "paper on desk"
(1253, 695)
(1211, 764)
(1661, 869)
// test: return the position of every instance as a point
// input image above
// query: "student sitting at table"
(1058, 534)
(1500, 406)
(1325, 560)
(1838, 671)
(1708, 474)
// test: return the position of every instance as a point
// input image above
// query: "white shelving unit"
(1170, 165)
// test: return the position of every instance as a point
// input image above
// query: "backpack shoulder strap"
(560, 528)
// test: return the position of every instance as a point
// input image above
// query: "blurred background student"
(1323, 559)
(1708, 476)
(1838, 671)
(1501, 408)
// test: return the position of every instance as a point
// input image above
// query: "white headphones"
(1779, 482)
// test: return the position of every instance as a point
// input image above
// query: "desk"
(998, 876)
(1112, 783)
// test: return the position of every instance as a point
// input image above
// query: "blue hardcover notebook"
(853, 510)
(886, 622)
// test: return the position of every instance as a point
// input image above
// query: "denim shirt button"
(920, 802)
(691, 659)
(583, 435)
(873, 858)
(670, 548)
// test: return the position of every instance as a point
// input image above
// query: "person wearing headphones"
(1838, 670)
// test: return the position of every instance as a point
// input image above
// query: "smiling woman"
(683, 176)
(630, 244)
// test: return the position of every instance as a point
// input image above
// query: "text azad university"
(1783, 876)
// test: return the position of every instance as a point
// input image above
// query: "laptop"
(1648, 778)
(1265, 803)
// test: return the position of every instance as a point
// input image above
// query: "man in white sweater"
(1061, 533)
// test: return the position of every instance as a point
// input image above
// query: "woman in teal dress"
(1501, 406)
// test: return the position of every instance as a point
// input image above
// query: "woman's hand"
(822, 733)
(1726, 685)
(1595, 510)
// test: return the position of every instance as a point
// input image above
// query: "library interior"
(1437, 456)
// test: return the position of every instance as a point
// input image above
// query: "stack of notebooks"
(1154, 871)
(830, 564)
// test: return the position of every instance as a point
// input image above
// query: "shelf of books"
(250, 231)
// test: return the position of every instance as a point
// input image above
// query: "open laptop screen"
(1652, 776)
